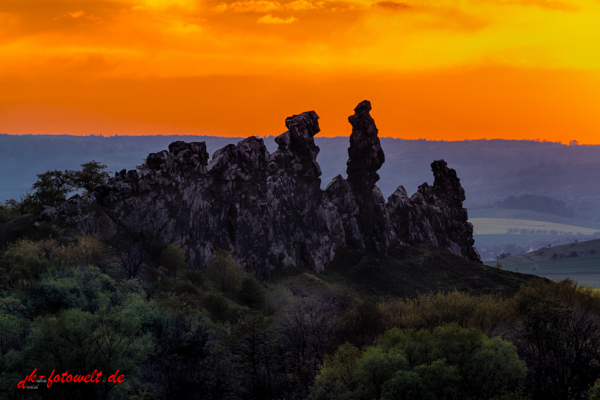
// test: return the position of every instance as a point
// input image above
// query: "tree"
(52, 187)
(20, 206)
(131, 251)
(80, 342)
(595, 390)
(363, 323)
(449, 362)
(172, 258)
(251, 293)
(91, 175)
(559, 338)
(225, 272)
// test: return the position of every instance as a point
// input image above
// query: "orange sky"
(439, 69)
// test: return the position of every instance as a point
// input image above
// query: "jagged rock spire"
(365, 155)
(269, 208)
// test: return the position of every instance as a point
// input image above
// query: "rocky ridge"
(269, 208)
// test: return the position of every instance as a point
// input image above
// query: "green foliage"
(172, 258)
(21, 266)
(4, 214)
(595, 390)
(559, 337)
(374, 369)
(225, 272)
(449, 362)
(52, 187)
(17, 208)
(11, 306)
(337, 377)
(251, 293)
(91, 175)
(432, 382)
(195, 277)
(488, 313)
(363, 323)
(12, 342)
(63, 289)
(217, 306)
(80, 341)
(284, 339)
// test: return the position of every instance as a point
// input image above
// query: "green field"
(583, 218)
(584, 267)
(498, 226)
(488, 240)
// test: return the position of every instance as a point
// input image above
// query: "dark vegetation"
(419, 324)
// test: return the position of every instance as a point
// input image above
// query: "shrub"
(251, 293)
(186, 287)
(225, 272)
(217, 306)
(448, 362)
(196, 277)
(21, 266)
(172, 258)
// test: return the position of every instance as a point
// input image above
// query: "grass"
(583, 218)
(489, 240)
(410, 271)
(497, 226)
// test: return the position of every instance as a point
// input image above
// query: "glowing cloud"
(76, 14)
(269, 19)
(334, 51)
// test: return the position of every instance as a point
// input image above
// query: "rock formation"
(269, 208)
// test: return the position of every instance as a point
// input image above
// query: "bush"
(595, 390)
(54, 295)
(362, 324)
(196, 277)
(558, 335)
(225, 272)
(448, 362)
(487, 312)
(172, 258)
(186, 287)
(21, 266)
(217, 306)
(251, 293)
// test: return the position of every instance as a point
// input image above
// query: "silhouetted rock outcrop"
(270, 208)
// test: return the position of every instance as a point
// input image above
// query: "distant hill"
(579, 261)
(537, 203)
(490, 170)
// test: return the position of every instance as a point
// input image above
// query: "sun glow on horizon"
(435, 69)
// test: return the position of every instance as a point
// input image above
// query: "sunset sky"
(439, 69)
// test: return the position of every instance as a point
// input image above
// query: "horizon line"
(274, 136)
